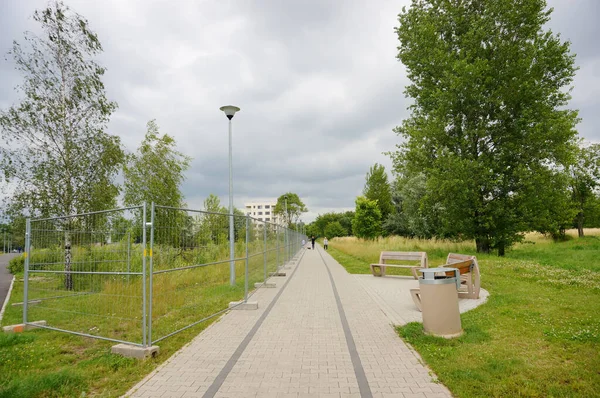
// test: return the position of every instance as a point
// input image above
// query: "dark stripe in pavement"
(359, 371)
(220, 379)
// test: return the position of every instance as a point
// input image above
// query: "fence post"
(128, 254)
(265, 256)
(151, 273)
(26, 269)
(246, 271)
(277, 239)
(144, 276)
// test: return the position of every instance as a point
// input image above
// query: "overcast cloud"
(317, 81)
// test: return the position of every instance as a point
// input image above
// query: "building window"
(260, 206)
(267, 213)
(267, 219)
(248, 207)
(260, 213)
(259, 219)
(267, 207)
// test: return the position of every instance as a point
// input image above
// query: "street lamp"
(230, 110)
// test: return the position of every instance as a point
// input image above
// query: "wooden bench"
(469, 277)
(379, 268)
(469, 274)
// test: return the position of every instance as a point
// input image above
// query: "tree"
(289, 207)
(490, 90)
(335, 229)
(411, 216)
(55, 148)
(155, 173)
(56, 151)
(367, 219)
(585, 179)
(377, 188)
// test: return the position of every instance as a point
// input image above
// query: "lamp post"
(230, 110)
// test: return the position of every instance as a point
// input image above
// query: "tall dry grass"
(368, 251)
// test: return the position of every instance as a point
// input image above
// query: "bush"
(16, 265)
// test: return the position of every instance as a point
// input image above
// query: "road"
(5, 276)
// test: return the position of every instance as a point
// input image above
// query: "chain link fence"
(138, 275)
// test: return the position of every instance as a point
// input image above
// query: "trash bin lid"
(429, 273)
(429, 277)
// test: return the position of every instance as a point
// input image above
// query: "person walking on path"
(303, 243)
(325, 242)
(313, 242)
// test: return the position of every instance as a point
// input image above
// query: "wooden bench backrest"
(464, 267)
(463, 262)
(404, 256)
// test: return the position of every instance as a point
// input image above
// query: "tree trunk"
(580, 224)
(68, 275)
(501, 247)
(483, 245)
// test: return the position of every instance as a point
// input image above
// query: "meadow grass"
(538, 335)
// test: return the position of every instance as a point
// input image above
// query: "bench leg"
(415, 272)
(379, 268)
(416, 296)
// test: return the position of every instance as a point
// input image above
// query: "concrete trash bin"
(439, 301)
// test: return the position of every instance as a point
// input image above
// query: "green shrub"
(16, 265)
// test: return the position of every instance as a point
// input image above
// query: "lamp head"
(229, 110)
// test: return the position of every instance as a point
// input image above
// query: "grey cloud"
(318, 83)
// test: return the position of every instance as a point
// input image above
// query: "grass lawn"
(537, 336)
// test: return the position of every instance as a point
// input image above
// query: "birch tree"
(55, 149)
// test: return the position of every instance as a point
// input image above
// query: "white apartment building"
(262, 211)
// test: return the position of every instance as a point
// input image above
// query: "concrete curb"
(7, 298)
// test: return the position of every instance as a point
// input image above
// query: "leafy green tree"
(346, 221)
(155, 172)
(585, 179)
(55, 149)
(290, 208)
(378, 188)
(323, 220)
(334, 229)
(367, 219)
(411, 217)
(214, 226)
(490, 89)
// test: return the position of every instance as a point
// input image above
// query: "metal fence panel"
(139, 275)
(84, 274)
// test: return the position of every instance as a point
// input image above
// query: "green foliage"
(585, 179)
(411, 218)
(344, 219)
(489, 129)
(290, 208)
(367, 219)
(377, 188)
(334, 229)
(55, 149)
(155, 173)
(16, 265)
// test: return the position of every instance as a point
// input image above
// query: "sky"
(317, 81)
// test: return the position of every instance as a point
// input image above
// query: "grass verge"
(537, 336)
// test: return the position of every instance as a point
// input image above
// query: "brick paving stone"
(300, 349)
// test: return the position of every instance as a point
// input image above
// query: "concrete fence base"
(132, 351)
(21, 327)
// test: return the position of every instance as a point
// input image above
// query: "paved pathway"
(5, 276)
(318, 334)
